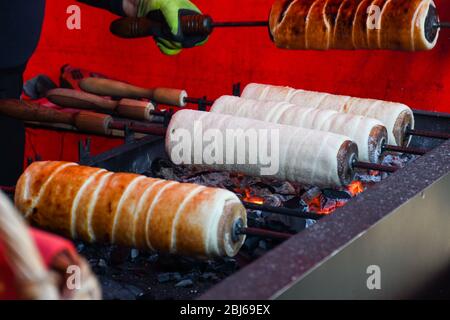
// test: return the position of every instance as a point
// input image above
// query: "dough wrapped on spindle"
(396, 117)
(369, 134)
(131, 210)
(354, 24)
(259, 148)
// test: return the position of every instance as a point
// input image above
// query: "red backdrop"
(421, 79)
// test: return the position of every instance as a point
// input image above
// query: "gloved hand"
(171, 11)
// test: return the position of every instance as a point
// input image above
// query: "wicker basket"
(34, 281)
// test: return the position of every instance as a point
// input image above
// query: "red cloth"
(49, 246)
(419, 79)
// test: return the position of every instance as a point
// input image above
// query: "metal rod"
(416, 151)
(442, 25)
(158, 113)
(138, 127)
(228, 24)
(55, 127)
(198, 101)
(264, 233)
(374, 166)
(282, 211)
(428, 134)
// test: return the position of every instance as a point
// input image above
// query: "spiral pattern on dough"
(362, 130)
(396, 117)
(354, 24)
(296, 154)
(129, 209)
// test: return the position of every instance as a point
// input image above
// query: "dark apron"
(20, 28)
(12, 131)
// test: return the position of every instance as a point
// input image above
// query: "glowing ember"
(355, 188)
(322, 205)
(248, 197)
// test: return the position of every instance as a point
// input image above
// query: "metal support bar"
(237, 89)
(128, 134)
(84, 150)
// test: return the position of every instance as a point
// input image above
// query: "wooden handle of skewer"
(107, 87)
(80, 100)
(93, 122)
(29, 111)
(135, 109)
(191, 25)
(131, 28)
(173, 97)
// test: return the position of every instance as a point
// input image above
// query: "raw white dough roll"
(368, 133)
(396, 117)
(131, 210)
(305, 156)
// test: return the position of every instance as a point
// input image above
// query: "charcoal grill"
(400, 225)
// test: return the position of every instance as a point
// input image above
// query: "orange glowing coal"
(317, 205)
(248, 197)
(355, 188)
(323, 206)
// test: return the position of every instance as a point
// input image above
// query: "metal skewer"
(374, 166)
(138, 127)
(240, 24)
(442, 25)
(264, 233)
(191, 25)
(199, 101)
(428, 134)
(282, 211)
(416, 151)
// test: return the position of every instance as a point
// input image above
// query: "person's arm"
(170, 10)
(120, 7)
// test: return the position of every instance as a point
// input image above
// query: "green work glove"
(171, 11)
